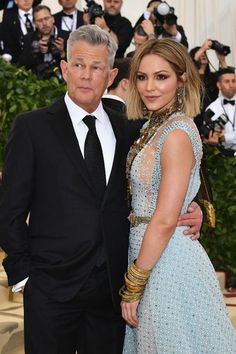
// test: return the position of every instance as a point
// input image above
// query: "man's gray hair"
(94, 35)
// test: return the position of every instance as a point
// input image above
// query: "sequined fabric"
(182, 310)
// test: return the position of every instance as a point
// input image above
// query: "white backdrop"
(201, 19)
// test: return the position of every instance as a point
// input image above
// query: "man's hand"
(213, 138)
(43, 46)
(148, 27)
(170, 29)
(59, 44)
(193, 219)
(100, 22)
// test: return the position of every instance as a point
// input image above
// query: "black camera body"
(52, 48)
(170, 19)
(220, 48)
(94, 10)
(212, 125)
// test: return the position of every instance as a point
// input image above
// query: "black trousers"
(87, 324)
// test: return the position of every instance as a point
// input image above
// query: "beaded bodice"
(145, 173)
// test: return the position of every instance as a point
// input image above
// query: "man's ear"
(124, 84)
(218, 85)
(112, 75)
(64, 69)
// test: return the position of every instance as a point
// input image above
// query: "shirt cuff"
(19, 286)
(178, 37)
(147, 15)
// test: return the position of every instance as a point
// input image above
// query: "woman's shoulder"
(180, 120)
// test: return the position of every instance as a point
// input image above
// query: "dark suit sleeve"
(184, 40)
(16, 194)
(124, 35)
(11, 34)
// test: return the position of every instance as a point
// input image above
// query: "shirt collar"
(114, 97)
(77, 113)
(22, 13)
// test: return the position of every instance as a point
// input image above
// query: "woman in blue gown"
(171, 299)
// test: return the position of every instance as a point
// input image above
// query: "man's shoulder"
(126, 21)
(41, 113)
(10, 17)
(58, 14)
(215, 104)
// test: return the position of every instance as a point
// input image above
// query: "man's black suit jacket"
(12, 34)
(114, 104)
(45, 175)
(58, 19)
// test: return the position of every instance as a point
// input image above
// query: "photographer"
(208, 77)
(45, 47)
(220, 115)
(162, 26)
(111, 21)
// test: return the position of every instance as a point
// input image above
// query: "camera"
(50, 44)
(212, 125)
(52, 48)
(165, 14)
(49, 69)
(220, 48)
(94, 10)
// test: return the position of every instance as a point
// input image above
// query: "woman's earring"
(180, 92)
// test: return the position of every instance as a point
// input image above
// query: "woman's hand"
(129, 312)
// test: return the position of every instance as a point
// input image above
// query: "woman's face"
(203, 59)
(156, 82)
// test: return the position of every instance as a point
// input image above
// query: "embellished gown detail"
(182, 310)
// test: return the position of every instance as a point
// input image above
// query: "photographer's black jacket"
(122, 27)
(35, 60)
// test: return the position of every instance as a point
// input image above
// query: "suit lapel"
(118, 128)
(61, 124)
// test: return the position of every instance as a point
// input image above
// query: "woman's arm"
(177, 160)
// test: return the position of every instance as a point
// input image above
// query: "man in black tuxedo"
(15, 24)
(69, 18)
(10, 4)
(116, 95)
(72, 254)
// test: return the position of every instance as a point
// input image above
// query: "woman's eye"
(161, 77)
(140, 77)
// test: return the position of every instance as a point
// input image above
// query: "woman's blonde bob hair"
(180, 61)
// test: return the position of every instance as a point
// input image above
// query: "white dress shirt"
(230, 111)
(22, 19)
(103, 127)
(69, 24)
(106, 137)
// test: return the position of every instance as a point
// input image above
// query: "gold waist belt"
(137, 220)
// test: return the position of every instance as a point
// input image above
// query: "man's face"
(87, 74)
(138, 40)
(113, 7)
(227, 85)
(24, 5)
(68, 4)
(44, 21)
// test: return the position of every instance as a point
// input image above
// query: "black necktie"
(93, 156)
(66, 15)
(28, 24)
(228, 101)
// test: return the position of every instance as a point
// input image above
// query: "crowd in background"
(33, 37)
